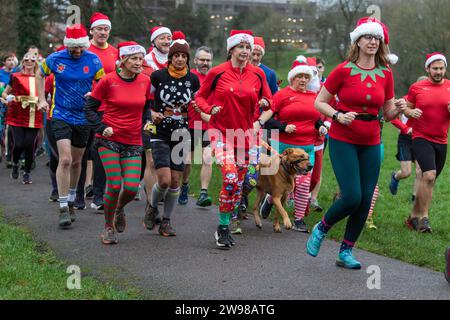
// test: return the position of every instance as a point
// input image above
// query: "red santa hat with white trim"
(372, 26)
(155, 32)
(299, 67)
(259, 44)
(76, 36)
(435, 56)
(99, 19)
(128, 48)
(238, 36)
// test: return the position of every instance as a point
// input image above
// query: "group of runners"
(119, 118)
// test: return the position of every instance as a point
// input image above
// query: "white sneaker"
(96, 207)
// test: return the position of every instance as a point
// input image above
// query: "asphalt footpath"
(262, 264)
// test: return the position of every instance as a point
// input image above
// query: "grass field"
(30, 270)
(392, 238)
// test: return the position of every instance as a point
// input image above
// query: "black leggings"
(24, 140)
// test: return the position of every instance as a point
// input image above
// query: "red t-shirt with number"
(363, 91)
(432, 99)
(297, 108)
(192, 114)
(123, 111)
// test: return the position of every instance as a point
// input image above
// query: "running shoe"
(15, 172)
(244, 203)
(166, 230)
(108, 236)
(300, 226)
(236, 226)
(266, 206)
(64, 218)
(150, 217)
(412, 223)
(89, 191)
(347, 260)
(120, 222)
(314, 205)
(424, 225)
(72, 211)
(183, 197)
(315, 241)
(54, 196)
(393, 185)
(370, 224)
(79, 203)
(222, 236)
(204, 200)
(26, 178)
(447, 265)
(97, 206)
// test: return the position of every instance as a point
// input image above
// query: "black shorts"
(404, 148)
(124, 150)
(78, 135)
(197, 136)
(429, 155)
(162, 155)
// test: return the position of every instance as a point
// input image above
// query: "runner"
(174, 89)
(95, 187)
(23, 118)
(364, 84)
(429, 108)
(118, 133)
(156, 59)
(294, 105)
(74, 69)
(203, 63)
(237, 89)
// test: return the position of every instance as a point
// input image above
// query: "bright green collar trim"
(366, 73)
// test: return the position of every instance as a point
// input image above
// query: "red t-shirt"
(433, 100)
(238, 93)
(123, 111)
(24, 85)
(363, 91)
(297, 108)
(108, 57)
(192, 114)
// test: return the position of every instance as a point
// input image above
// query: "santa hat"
(157, 31)
(372, 26)
(99, 19)
(179, 44)
(299, 67)
(259, 44)
(435, 56)
(368, 25)
(76, 36)
(129, 48)
(238, 36)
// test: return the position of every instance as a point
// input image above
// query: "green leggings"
(356, 168)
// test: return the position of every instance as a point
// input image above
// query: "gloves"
(10, 98)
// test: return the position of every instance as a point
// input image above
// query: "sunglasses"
(371, 36)
(29, 60)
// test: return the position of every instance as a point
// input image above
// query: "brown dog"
(291, 162)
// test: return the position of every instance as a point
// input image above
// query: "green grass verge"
(392, 238)
(30, 270)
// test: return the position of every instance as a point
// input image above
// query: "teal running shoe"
(315, 241)
(347, 260)
(183, 198)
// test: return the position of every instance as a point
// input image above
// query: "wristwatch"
(260, 122)
(335, 116)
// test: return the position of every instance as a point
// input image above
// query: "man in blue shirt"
(74, 69)
(259, 49)
(10, 63)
